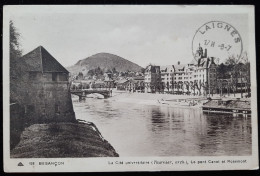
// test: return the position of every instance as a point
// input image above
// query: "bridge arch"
(84, 93)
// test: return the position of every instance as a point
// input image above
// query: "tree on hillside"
(98, 71)
(80, 75)
(91, 73)
(143, 70)
(108, 70)
(114, 70)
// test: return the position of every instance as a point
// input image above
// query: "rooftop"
(41, 60)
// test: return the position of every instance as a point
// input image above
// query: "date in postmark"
(221, 40)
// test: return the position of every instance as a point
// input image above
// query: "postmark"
(220, 39)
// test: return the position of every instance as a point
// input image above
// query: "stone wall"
(46, 100)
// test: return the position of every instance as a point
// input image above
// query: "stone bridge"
(84, 93)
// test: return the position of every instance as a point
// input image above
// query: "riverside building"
(46, 94)
(197, 77)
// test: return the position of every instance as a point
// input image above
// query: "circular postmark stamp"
(217, 39)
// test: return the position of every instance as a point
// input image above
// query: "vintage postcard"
(129, 88)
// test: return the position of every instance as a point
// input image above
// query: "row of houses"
(123, 83)
(197, 77)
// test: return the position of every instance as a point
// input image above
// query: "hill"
(105, 61)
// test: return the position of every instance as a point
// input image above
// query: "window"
(54, 76)
(63, 77)
(43, 109)
(57, 109)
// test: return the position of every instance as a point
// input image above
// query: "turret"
(200, 51)
(205, 53)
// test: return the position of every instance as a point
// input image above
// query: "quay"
(227, 106)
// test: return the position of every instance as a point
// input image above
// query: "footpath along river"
(156, 130)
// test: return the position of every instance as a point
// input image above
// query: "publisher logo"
(20, 164)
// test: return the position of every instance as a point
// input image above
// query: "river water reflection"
(148, 130)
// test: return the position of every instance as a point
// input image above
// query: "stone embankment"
(228, 106)
(59, 140)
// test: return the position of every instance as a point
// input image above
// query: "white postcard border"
(102, 164)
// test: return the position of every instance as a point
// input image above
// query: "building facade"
(197, 77)
(152, 78)
(167, 77)
(179, 76)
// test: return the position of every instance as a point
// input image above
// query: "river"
(150, 130)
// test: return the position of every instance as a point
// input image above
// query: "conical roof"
(41, 60)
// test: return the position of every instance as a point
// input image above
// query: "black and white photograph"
(130, 87)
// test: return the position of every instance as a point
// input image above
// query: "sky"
(143, 38)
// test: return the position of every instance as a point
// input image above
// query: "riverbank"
(151, 99)
(169, 99)
(59, 140)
